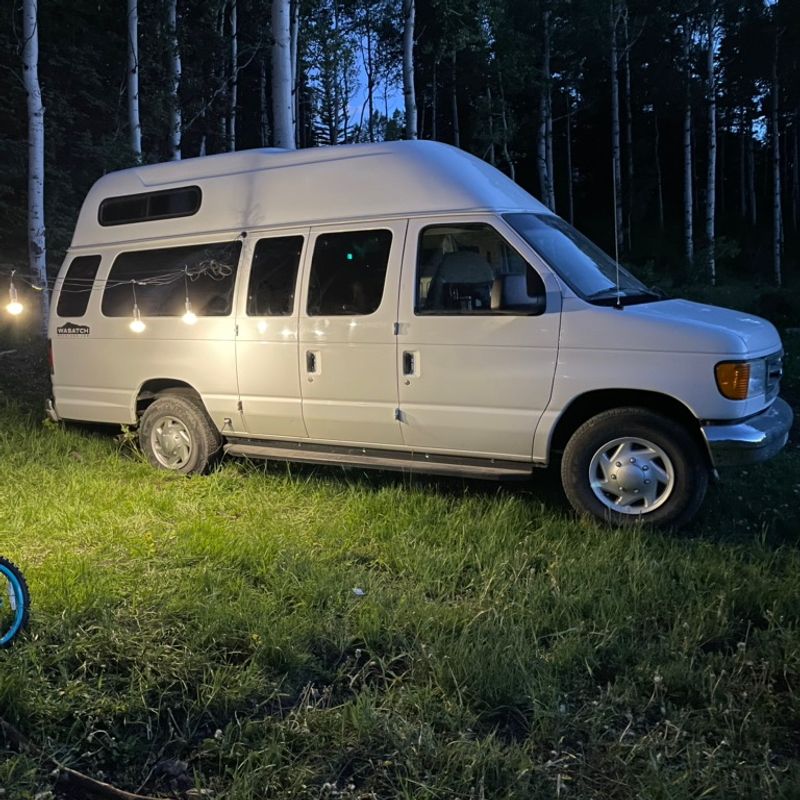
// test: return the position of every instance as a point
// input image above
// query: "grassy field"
(205, 633)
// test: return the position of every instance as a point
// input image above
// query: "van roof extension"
(279, 188)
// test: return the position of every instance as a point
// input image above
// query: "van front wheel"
(175, 433)
(630, 465)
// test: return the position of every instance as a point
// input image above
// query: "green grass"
(501, 649)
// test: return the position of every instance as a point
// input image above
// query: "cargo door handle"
(312, 361)
(408, 363)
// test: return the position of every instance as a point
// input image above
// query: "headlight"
(741, 380)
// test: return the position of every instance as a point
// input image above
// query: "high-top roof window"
(147, 206)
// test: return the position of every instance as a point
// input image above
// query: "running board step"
(420, 463)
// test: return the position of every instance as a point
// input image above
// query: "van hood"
(675, 325)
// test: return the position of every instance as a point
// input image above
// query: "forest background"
(686, 113)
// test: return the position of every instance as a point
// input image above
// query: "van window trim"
(149, 218)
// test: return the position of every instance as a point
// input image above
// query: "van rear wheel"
(631, 465)
(175, 433)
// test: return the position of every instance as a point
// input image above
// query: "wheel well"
(151, 389)
(588, 405)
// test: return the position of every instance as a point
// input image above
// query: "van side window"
(471, 269)
(164, 277)
(348, 273)
(273, 276)
(145, 206)
(73, 299)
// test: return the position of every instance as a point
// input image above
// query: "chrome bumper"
(756, 439)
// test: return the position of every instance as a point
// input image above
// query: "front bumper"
(756, 439)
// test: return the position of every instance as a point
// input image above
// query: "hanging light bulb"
(137, 325)
(189, 317)
(14, 306)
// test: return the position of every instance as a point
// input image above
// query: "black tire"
(673, 453)
(12, 623)
(177, 419)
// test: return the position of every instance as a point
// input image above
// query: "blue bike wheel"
(14, 602)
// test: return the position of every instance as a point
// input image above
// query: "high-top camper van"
(401, 306)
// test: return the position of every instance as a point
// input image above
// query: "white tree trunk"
(282, 75)
(133, 79)
(777, 217)
(175, 123)
(409, 94)
(615, 127)
(36, 231)
(504, 120)
(711, 183)
(234, 77)
(688, 204)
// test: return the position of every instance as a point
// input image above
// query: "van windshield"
(583, 266)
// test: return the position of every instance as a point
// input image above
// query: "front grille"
(774, 374)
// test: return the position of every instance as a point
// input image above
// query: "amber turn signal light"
(733, 379)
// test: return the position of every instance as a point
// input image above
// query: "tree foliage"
(479, 80)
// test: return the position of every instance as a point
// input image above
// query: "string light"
(137, 325)
(189, 317)
(14, 306)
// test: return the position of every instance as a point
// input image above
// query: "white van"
(401, 306)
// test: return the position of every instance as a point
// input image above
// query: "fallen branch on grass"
(70, 781)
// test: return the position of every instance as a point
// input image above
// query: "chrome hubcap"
(631, 476)
(171, 442)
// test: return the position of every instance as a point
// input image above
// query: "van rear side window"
(73, 299)
(348, 273)
(273, 276)
(148, 206)
(163, 279)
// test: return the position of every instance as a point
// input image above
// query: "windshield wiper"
(624, 295)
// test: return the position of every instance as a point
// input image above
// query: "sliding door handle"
(312, 361)
(409, 363)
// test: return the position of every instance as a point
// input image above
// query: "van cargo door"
(267, 340)
(348, 348)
